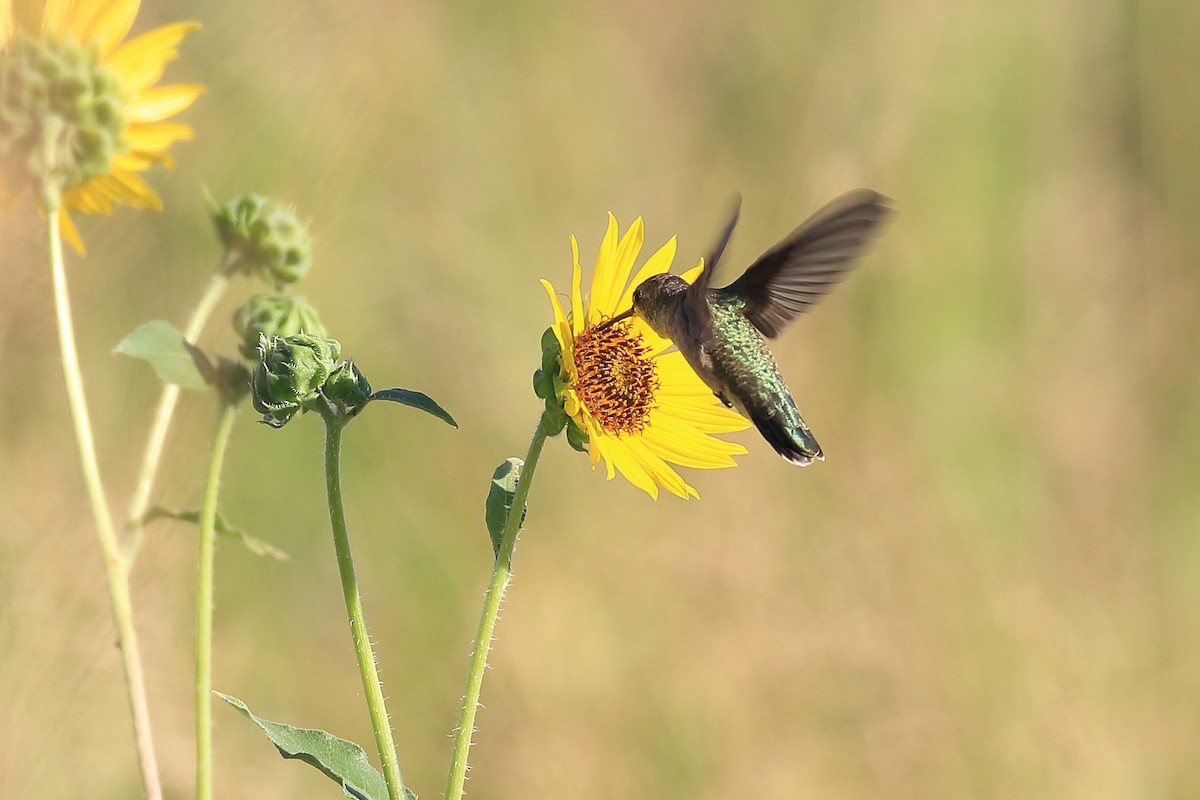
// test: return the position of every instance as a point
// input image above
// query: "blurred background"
(989, 590)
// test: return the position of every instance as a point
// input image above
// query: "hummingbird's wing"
(695, 305)
(801, 269)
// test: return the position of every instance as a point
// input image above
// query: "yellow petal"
(6, 21)
(140, 62)
(656, 264)
(110, 26)
(67, 228)
(81, 18)
(152, 105)
(601, 273)
(576, 282)
(26, 16)
(57, 17)
(693, 273)
(657, 469)
(621, 267)
(560, 318)
(618, 454)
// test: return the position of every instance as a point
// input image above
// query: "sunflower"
(67, 65)
(642, 407)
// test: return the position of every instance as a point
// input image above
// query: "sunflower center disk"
(617, 380)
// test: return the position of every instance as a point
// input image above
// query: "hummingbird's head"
(657, 300)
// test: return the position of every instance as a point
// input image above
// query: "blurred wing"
(801, 269)
(699, 317)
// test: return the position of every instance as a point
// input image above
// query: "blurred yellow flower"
(642, 407)
(68, 66)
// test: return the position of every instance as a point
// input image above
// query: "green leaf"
(255, 545)
(164, 348)
(500, 499)
(343, 762)
(408, 397)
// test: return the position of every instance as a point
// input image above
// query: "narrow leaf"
(500, 499)
(162, 346)
(419, 400)
(343, 762)
(252, 543)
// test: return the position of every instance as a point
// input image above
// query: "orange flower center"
(617, 380)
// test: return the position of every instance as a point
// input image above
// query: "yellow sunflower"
(642, 407)
(67, 64)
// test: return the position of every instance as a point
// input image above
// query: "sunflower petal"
(152, 105)
(602, 273)
(576, 282)
(69, 232)
(656, 264)
(140, 62)
(110, 27)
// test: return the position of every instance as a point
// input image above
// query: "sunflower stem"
(204, 602)
(116, 568)
(152, 455)
(501, 575)
(372, 689)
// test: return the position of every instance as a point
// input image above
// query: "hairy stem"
(372, 689)
(501, 575)
(204, 603)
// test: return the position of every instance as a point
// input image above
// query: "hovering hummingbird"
(720, 331)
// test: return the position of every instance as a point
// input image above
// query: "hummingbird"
(720, 332)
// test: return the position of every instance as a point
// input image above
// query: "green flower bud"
(58, 89)
(347, 389)
(273, 316)
(290, 373)
(264, 238)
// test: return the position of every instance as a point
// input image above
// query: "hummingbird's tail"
(794, 442)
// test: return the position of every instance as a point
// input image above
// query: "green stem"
(162, 418)
(115, 566)
(204, 604)
(501, 575)
(372, 689)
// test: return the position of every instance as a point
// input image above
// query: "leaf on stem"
(420, 400)
(175, 359)
(252, 543)
(500, 499)
(343, 762)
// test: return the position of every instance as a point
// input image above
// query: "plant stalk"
(501, 575)
(116, 568)
(372, 690)
(204, 603)
(139, 502)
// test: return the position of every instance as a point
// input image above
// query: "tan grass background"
(989, 590)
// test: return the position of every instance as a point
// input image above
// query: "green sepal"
(163, 347)
(255, 545)
(543, 384)
(551, 353)
(342, 761)
(555, 418)
(577, 437)
(415, 399)
(500, 499)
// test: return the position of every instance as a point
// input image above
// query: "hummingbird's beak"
(614, 320)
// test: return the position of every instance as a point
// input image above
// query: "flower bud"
(264, 238)
(290, 373)
(58, 89)
(273, 316)
(347, 389)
